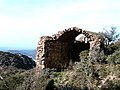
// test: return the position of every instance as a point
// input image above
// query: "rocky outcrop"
(58, 50)
(16, 60)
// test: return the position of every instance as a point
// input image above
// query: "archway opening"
(80, 44)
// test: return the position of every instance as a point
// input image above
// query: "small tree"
(110, 35)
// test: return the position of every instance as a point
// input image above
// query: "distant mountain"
(29, 53)
(16, 60)
(4, 48)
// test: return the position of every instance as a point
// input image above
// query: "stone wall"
(55, 51)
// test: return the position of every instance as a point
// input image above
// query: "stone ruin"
(58, 50)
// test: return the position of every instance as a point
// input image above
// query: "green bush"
(114, 58)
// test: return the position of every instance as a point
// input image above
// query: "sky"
(23, 22)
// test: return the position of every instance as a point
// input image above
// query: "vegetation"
(13, 70)
(98, 71)
(110, 35)
(16, 60)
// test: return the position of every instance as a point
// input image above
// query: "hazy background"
(22, 22)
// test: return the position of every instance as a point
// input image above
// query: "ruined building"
(57, 50)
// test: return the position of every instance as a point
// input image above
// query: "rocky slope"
(16, 60)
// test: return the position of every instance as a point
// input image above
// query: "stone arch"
(55, 51)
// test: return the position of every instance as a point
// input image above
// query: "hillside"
(16, 60)
(97, 72)
(100, 71)
(12, 69)
(29, 53)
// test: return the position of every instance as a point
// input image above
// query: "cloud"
(21, 24)
(52, 16)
